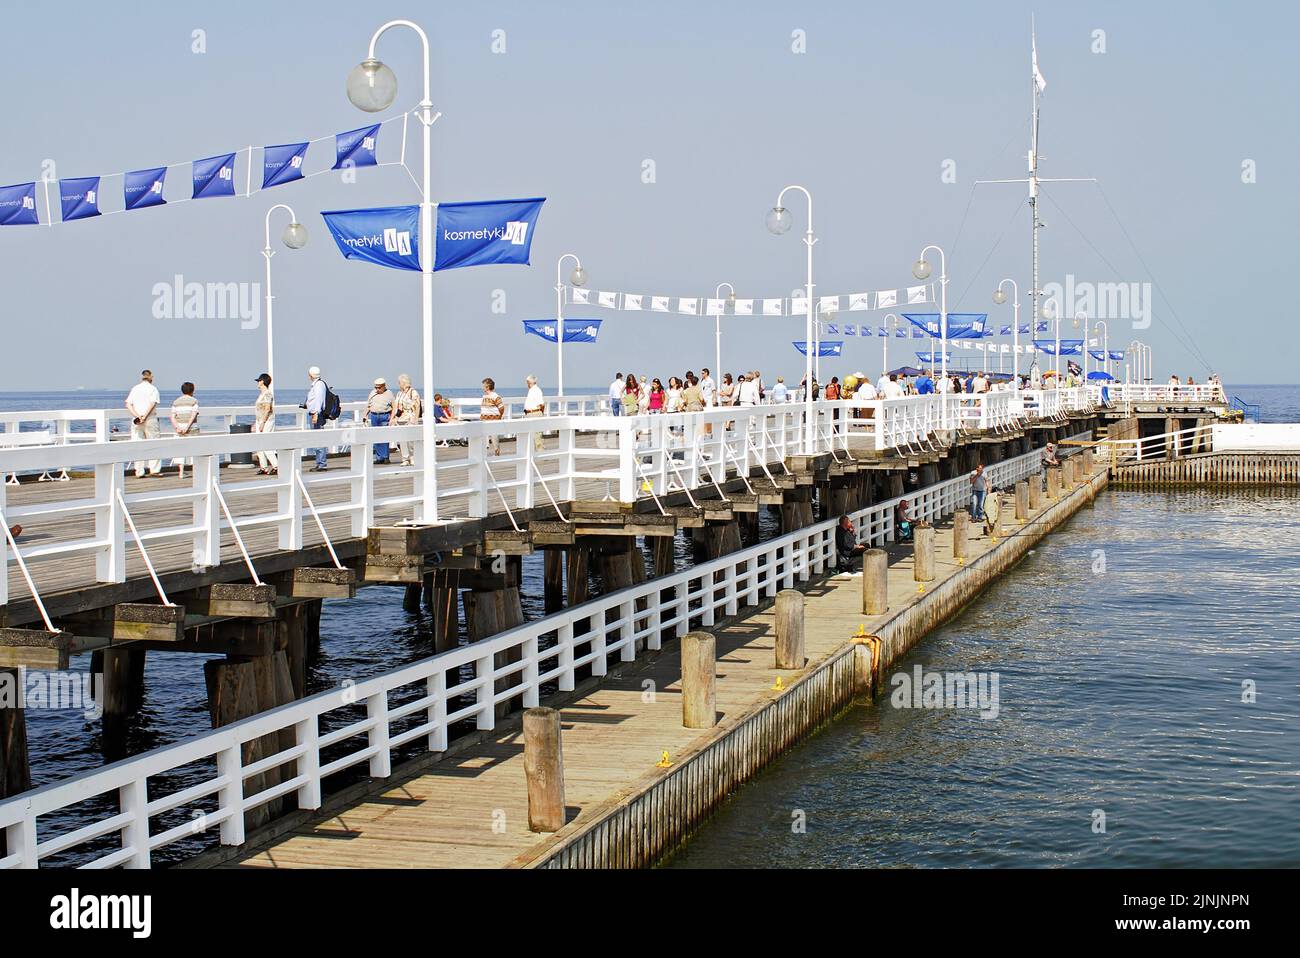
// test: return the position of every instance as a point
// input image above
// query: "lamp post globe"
(779, 220)
(372, 86)
(294, 236)
(999, 297)
(578, 277)
(921, 270)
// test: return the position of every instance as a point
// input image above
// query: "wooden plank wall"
(1216, 469)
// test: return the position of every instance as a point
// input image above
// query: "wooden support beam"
(393, 569)
(420, 540)
(131, 622)
(34, 649)
(317, 582)
(232, 600)
(508, 542)
(545, 533)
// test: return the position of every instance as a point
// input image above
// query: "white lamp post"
(717, 326)
(578, 278)
(372, 87)
(1081, 322)
(922, 271)
(1050, 313)
(1000, 297)
(1105, 344)
(779, 221)
(884, 347)
(294, 237)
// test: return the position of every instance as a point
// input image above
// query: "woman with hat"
(264, 421)
(406, 406)
(379, 409)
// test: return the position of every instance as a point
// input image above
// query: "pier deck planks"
(442, 817)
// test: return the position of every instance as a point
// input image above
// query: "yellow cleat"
(778, 685)
(664, 761)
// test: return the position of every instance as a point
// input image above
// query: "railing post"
(626, 461)
(307, 733)
(361, 488)
(134, 799)
(426, 459)
(485, 670)
(230, 797)
(531, 695)
(110, 527)
(479, 477)
(4, 550)
(289, 500)
(564, 635)
(524, 471)
(381, 763)
(568, 463)
(437, 711)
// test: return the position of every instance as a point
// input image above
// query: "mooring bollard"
(1053, 482)
(960, 533)
(875, 582)
(1035, 493)
(923, 552)
(1022, 499)
(1087, 462)
(699, 681)
(789, 629)
(544, 770)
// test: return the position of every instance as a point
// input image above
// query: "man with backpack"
(317, 411)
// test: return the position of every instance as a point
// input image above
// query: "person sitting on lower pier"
(1049, 455)
(903, 522)
(847, 546)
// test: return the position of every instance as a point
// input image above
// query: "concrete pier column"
(544, 769)
(1053, 482)
(875, 582)
(960, 533)
(789, 629)
(923, 553)
(699, 680)
(1035, 492)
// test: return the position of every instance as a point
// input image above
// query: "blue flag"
(356, 147)
(214, 176)
(480, 234)
(1117, 355)
(899, 333)
(144, 188)
(79, 197)
(850, 329)
(823, 348)
(385, 236)
(1005, 331)
(575, 330)
(282, 164)
(18, 205)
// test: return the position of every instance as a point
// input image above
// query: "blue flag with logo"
(1117, 355)
(386, 236)
(481, 234)
(356, 147)
(144, 188)
(850, 329)
(575, 330)
(18, 205)
(823, 349)
(282, 164)
(79, 197)
(214, 176)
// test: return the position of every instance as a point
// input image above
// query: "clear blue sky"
(713, 94)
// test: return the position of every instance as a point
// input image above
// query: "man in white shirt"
(779, 393)
(142, 403)
(534, 406)
(616, 395)
(708, 388)
(892, 389)
(316, 419)
(749, 391)
(979, 384)
(880, 384)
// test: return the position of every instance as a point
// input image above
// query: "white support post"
(207, 512)
(532, 697)
(568, 441)
(362, 488)
(381, 763)
(480, 478)
(566, 678)
(627, 483)
(4, 551)
(307, 734)
(230, 797)
(110, 524)
(627, 612)
(134, 800)
(288, 502)
(485, 669)
(437, 711)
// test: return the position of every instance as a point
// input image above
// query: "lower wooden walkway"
(470, 809)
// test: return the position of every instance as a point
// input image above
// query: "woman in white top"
(268, 463)
(406, 412)
(185, 421)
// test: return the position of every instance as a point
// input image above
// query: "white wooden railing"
(1197, 394)
(121, 814)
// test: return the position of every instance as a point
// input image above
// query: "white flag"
(581, 296)
(715, 307)
(659, 304)
(798, 307)
(744, 307)
(828, 304)
(608, 300)
(689, 306)
(1033, 60)
(859, 301)
(772, 307)
(915, 294)
(632, 301)
(886, 298)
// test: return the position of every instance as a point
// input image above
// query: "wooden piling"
(553, 580)
(923, 553)
(875, 582)
(960, 533)
(544, 769)
(699, 681)
(1053, 482)
(1022, 500)
(1035, 492)
(789, 629)
(15, 776)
